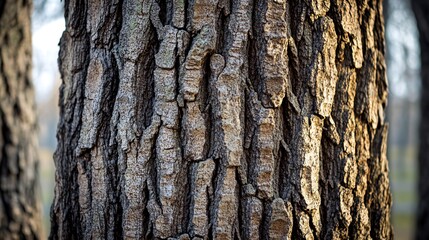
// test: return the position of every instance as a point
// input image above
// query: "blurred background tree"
(421, 11)
(19, 183)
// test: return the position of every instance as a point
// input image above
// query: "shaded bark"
(222, 119)
(421, 11)
(19, 197)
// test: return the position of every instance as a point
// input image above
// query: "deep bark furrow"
(65, 211)
(231, 119)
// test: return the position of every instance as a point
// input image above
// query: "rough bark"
(222, 119)
(421, 11)
(19, 206)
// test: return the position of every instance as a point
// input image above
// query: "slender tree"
(421, 11)
(19, 205)
(222, 119)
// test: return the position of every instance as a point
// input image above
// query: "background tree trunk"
(19, 206)
(222, 119)
(421, 11)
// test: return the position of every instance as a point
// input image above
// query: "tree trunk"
(19, 206)
(421, 11)
(222, 119)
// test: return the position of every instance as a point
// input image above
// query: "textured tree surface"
(222, 119)
(19, 206)
(421, 11)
